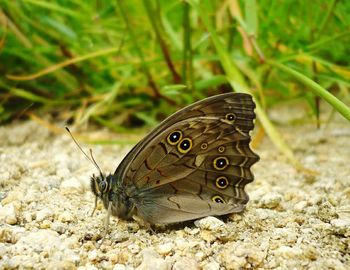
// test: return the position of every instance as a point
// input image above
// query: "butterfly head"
(100, 185)
(115, 199)
(113, 196)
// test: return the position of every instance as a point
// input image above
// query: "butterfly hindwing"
(196, 163)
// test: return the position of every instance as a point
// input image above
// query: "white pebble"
(45, 224)
(66, 217)
(185, 264)
(211, 266)
(239, 255)
(40, 240)
(2, 250)
(165, 249)
(71, 185)
(263, 214)
(44, 214)
(28, 217)
(300, 206)
(152, 261)
(92, 256)
(88, 266)
(119, 266)
(209, 223)
(181, 243)
(271, 200)
(342, 226)
(8, 214)
(341, 223)
(199, 255)
(13, 196)
(58, 227)
(310, 159)
(287, 252)
(134, 248)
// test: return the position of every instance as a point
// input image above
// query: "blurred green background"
(126, 64)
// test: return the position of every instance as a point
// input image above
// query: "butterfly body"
(194, 164)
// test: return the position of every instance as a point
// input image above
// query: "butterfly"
(196, 163)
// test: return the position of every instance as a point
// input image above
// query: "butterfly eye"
(221, 182)
(102, 186)
(230, 117)
(220, 163)
(218, 199)
(185, 145)
(174, 137)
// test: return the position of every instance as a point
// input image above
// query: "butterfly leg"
(93, 211)
(106, 223)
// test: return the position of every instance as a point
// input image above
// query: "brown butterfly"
(196, 163)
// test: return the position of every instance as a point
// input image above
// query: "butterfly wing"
(196, 163)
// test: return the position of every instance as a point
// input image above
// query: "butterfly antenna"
(92, 160)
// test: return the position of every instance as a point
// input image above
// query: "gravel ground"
(293, 220)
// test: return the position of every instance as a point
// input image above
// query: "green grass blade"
(316, 89)
(251, 16)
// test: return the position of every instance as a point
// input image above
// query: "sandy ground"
(293, 220)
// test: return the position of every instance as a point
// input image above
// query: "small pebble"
(124, 256)
(8, 214)
(241, 255)
(152, 261)
(231, 261)
(66, 217)
(251, 253)
(92, 255)
(208, 236)
(13, 196)
(27, 217)
(66, 265)
(341, 223)
(288, 252)
(2, 250)
(5, 235)
(185, 264)
(43, 214)
(45, 224)
(71, 186)
(164, 249)
(181, 243)
(134, 248)
(310, 253)
(211, 266)
(40, 239)
(209, 223)
(263, 214)
(119, 267)
(342, 226)
(199, 256)
(114, 258)
(300, 206)
(87, 266)
(271, 200)
(58, 227)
